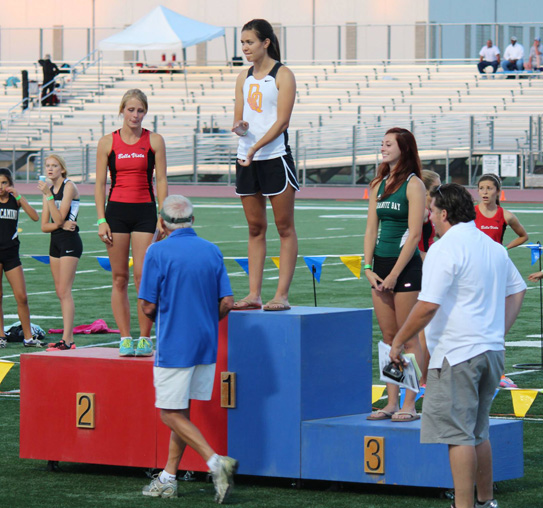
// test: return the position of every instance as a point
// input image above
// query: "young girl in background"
(492, 219)
(59, 217)
(431, 180)
(10, 263)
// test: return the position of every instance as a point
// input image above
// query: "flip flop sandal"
(245, 304)
(276, 305)
(380, 415)
(411, 417)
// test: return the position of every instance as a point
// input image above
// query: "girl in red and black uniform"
(59, 217)
(132, 154)
(10, 263)
(492, 219)
(431, 180)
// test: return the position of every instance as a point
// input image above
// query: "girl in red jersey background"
(132, 154)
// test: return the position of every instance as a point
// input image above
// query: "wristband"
(50, 198)
(100, 221)
(367, 267)
(18, 197)
(505, 247)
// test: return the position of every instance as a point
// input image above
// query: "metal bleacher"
(340, 113)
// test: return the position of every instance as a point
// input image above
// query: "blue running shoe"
(145, 347)
(127, 347)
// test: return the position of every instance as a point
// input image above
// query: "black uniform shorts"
(129, 217)
(65, 243)
(409, 280)
(270, 177)
(9, 258)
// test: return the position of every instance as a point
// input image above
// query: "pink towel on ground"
(99, 326)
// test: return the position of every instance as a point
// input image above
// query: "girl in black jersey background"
(59, 217)
(10, 263)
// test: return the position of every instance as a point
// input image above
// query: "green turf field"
(325, 228)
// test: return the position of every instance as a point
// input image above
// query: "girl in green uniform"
(392, 260)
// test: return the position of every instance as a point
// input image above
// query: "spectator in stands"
(265, 96)
(534, 58)
(132, 154)
(513, 58)
(50, 70)
(489, 56)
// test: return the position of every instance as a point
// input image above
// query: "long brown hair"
(263, 31)
(495, 179)
(409, 162)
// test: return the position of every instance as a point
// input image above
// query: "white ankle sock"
(213, 463)
(123, 338)
(166, 477)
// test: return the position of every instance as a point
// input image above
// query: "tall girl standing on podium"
(132, 154)
(492, 219)
(393, 265)
(265, 96)
(10, 263)
(59, 217)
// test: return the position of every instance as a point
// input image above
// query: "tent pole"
(225, 49)
(185, 72)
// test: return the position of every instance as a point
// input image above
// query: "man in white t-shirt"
(513, 58)
(471, 295)
(489, 56)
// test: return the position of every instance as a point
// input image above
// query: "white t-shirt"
(489, 54)
(469, 275)
(515, 52)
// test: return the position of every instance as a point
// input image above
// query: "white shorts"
(175, 386)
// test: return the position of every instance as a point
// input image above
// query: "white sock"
(213, 463)
(166, 477)
(148, 338)
(122, 338)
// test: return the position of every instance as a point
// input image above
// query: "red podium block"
(92, 406)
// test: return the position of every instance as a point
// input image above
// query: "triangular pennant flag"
(130, 262)
(315, 261)
(422, 389)
(377, 392)
(496, 393)
(103, 261)
(353, 263)
(244, 263)
(522, 401)
(536, 252)
(45, 259)
(275, 260)
(402, 397)
(4, 369)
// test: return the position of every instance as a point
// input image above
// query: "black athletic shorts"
(9, 258)
(129, 217)
(65, 243)
(409, 280)
(269, 177)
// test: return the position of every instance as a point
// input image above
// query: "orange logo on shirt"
(254, 98)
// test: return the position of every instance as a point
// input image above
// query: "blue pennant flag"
(422, 389)
(535, 248)
(42, 259)
(496, 393)
(244, 263)
(103, 261)
(314, 263)
(402, 397)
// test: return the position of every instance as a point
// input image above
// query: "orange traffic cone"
(365, 194)
(502, 197)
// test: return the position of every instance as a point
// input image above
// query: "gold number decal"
(228, 389)
(85, 410)
(374, 455)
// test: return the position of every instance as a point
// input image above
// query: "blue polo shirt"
(185, 277)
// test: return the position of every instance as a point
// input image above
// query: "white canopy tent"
(163, 29)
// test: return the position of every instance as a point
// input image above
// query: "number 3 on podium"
(374, 455)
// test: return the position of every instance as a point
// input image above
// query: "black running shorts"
(65, 243)
(130, 217)
(9, 258)
(409, 280)
(269, 177)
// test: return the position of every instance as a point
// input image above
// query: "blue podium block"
(303, 364)
(334, 449)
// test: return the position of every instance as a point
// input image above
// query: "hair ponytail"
(263, 31)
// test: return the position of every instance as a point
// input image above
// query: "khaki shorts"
(457, 400)
(175, 386)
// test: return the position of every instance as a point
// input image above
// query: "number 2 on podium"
(374, 455)
(85, 410)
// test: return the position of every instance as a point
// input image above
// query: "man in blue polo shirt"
(185, 289)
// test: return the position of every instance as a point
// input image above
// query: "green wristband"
(50, 198)
(101, 221)
(505, 247)
(18, 197)
(367, 267)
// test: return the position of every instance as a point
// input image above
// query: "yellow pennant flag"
(377, 392)
(130, 262)
(4, 369)
(522, 401)
(353, 263)
(275, 260)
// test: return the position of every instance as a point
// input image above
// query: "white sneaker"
(158, 489)
(33, 342)
(223, 479)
